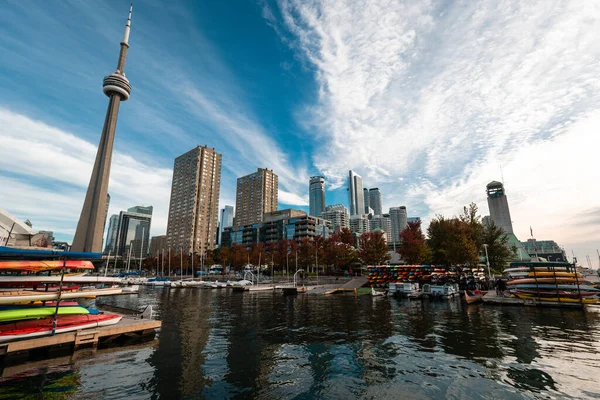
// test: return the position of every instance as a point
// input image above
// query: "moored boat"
(474, 298)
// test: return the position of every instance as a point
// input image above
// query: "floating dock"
(128, 328)
(492, 298)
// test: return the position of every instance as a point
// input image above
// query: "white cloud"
(444, 94)
(54, 169)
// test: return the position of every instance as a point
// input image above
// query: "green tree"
(497, 249)
(451, 241)
(372, 249)
(413, 248)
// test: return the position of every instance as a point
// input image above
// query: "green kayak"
(39, 312)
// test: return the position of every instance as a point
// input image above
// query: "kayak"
(43, 327)
(39, 266)
(544, 280)
(557, 299)
(561, 293)
(555, 286)
(554, 273)
(39, 304)
(39, 312)
(25, 296)
(36, 280)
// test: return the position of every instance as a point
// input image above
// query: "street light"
(487, 260)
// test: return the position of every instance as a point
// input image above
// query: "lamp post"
(487, 261)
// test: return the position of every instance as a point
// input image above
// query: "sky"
(428, 100)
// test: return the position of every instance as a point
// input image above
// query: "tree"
(372, 249)
(338, 254)
(497, 249)
(413, 248)
(451, 242)
(346, 236)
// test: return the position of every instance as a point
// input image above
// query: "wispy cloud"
(427, 100)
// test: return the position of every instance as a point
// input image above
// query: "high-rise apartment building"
(375, 201)
(158, 245)
(356, 198)
(383, 223)
(413, 219)
(366, 200)
(194, 206)
(256, 195)
(498, 205)
(399, 220)
(317, 195)
(359, 223)
(337, 214)
(225, 222)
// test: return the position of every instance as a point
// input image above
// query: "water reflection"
(219, 344)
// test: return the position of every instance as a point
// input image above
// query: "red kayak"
(43, 327)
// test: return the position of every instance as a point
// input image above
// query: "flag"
(531, 230)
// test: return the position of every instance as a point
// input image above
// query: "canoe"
(556, 273)
(43, 327)
(24, 296)
(39, 312)
(475, 298)
(561, 299)
(35, 280)
(540, 269)
(39, 266)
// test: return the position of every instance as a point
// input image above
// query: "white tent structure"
(16, 233)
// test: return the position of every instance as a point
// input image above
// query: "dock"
(492, 298)
(351, 286)
(127, 328)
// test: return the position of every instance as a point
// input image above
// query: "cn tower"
(88, 236)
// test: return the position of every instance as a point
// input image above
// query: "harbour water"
(218, 344)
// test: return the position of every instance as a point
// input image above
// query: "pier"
(127, 328)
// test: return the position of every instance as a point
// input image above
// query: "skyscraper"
(226, 221)
(383, 223)
(317, 195)
(359, 224)
(355, 193)
(111, 234)
(256, 195)
(133, 232)
(90, 229)
(498, 205)
(375, 201)
(194, 206)
(399, 222)
(366, 200)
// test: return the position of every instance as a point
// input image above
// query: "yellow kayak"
(552, 274)
(557, 299)
(543, 280)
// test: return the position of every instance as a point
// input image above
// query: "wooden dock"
(129, 327)
(492, 298)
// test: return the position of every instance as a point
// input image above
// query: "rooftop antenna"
(502, 174)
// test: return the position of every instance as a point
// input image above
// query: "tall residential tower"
(399, 220)
(90, 229)
(375, 201)
(317, 195)
(256, 195)
(194, 207)
(355, 193)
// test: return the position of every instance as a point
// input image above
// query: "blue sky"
(426, 100)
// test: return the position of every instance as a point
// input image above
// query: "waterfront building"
(17, 233)
(498, 205)
(355, 194)
(194, 206)
(375, 201)
(366, 200)
(158, 244)
(226, 221)
(338, 215)
(399, 220)
(256, 194)
(382, 223)
(90, 228)
(133, 230)
(111, 234)
(547, 249)
(359, 223)
(283, 224)
(317, 195)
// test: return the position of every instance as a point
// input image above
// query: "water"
(218, 344)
